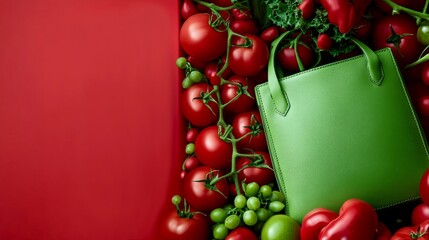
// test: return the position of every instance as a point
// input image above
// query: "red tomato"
(244, 26)
(418, 232)
(269, 34)
(357, 221)
(200, 40)
(211, 71)
(424, 74)
(175, 227)
(229, 91)
(314, 221)
(288, 59)
(188, 9)
(241, 14)
(420, 214)
(191, 135)
(407, 47)
(241, 233)
(424, 187)
(382, 232)
(194, 109)
(248, 61)
(213, 151)
(260, 175)
(191, 163)
(197, 63)
(324, 42)
(250, 122)
(423, 108)
(198, 192)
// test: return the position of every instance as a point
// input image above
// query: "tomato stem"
(413, 13)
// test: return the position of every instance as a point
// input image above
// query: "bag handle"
(281, 102)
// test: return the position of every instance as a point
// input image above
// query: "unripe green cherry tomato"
(240, 201)
(220, 231)
(251, 189)
(266, 191)
(232, 222)
(253, 203)
(250, 218)
(276, 206)
(280, 227)
(277, 196)
(218, 215)
(423, 33)
(262, 214)
(190, 148)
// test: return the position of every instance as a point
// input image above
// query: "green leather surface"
(344, 137)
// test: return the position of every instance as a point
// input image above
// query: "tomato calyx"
(417, 234)
(255, 127)
(395, 39)
(211, 180)
(206, 97)
(186, 211)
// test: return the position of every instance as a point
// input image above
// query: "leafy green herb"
(285, 14)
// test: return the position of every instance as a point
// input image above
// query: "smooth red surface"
(89, 120)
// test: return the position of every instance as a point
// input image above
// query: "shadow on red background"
(89, 119)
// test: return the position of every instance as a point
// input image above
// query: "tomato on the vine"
(201, 40)
(423, 33)
(200, 194)
(261, 175)
(245, 101)
(211, 71)
(213, 151)
(288, 58)
(247, 26)
(175, 227)
(188, 9)
(250, 123)
(420, 214)
(248, 60)
(418, 232)
(398, 32)
(241, 233)
(198, 106)
(269, 34)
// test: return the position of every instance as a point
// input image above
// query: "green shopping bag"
(343, 130)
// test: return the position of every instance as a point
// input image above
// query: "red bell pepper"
(345, 13)
(357, 221)
(307, 8)
(418, 232)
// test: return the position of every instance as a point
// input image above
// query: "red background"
(89, 120)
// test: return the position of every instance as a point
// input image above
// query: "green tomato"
(251, 189)
(220, 231)
(240, 201)
(253, 203)
(423, 33)
(266, 191)
(277, 196)
(196, 76)
(280, 227)
(276, 206)
(262, 214)
(232, 222)
(218, 215)
(181, 62)
(250, 218)
(190, 148)
(186, 83)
